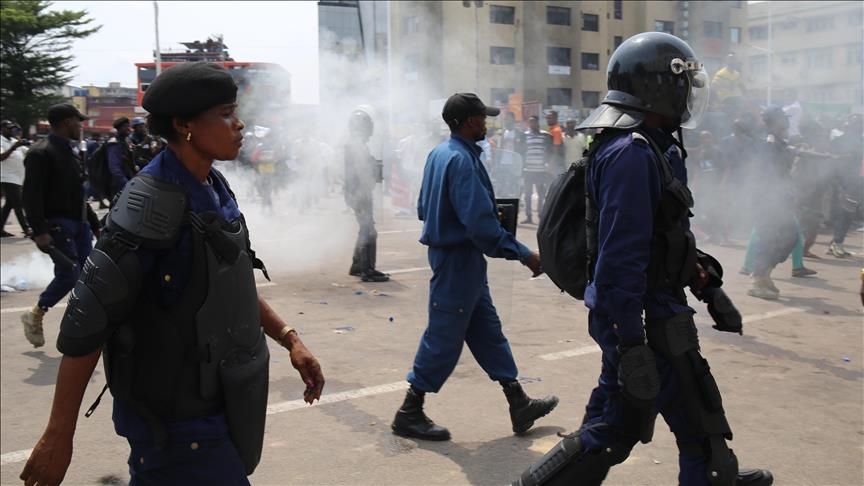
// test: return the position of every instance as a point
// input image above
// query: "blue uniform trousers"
(202, 462)
(75, 239)
(606, 406)
(460, 310)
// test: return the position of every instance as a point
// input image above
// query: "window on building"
(557, 15)
(735, 35)
(819, 58)
(664, 26)
(759, 65)
(500, 14)
(558, 56)
(816, 24)
(558, 59)
(712, 29)
(590, 99)
(618, 9)
(502, 55)
(410, 24)
(500, 96)
(559, 96)
(758, 32)
(618, 40)
(853, 54)
(591, 22)
(410, 65)
(788, 58)
(787, 25)
(590, 61)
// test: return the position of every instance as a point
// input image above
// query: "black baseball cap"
(462, 105)
(63, 111)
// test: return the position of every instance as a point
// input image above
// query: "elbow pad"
(104, 293)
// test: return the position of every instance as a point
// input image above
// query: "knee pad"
(677, 341)
(566, 464)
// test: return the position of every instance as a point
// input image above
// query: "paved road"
(792, 385)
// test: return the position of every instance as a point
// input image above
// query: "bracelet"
(284, 332)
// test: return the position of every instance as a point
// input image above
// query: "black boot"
(524, 410)
(373, 275)
(410, 420)
(754, 477)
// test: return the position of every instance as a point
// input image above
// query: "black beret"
(188, 89)
(120, 121)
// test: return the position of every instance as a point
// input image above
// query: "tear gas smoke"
(32, 271)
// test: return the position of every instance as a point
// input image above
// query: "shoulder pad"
(638, 137)
(151, 210)
(610, 116)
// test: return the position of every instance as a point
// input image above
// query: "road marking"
(287, 406)
(570, 353)
(338, 397)
(772, 314)
(406, 270)
(13, 457)
(61, 305)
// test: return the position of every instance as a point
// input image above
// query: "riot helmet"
(656, 72)
(360, 123)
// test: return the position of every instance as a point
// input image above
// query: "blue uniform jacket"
(177, 263)
(457, 203)
(624, 181)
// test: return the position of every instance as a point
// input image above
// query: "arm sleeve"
(627, 193)
(114, 153)
(475, 209)
(36, 168)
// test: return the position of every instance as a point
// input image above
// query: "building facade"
(810, 52)
(551, 52)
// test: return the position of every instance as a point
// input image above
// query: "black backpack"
(562, 232)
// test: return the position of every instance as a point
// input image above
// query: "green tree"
(34, 56)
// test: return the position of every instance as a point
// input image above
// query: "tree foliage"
(34, 55)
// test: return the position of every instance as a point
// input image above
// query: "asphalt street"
(792, 384)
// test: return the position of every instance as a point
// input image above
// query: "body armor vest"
(672, 261)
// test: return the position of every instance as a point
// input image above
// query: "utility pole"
(158, 51)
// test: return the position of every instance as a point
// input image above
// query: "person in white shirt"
(574, 142)
(12, 150)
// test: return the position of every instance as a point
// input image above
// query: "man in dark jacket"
(63, 223)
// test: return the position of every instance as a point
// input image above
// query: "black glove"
(637, 375)
(726, 316)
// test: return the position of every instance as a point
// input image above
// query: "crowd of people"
(169, 295)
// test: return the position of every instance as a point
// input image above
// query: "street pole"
(158, 51)
(770, 56)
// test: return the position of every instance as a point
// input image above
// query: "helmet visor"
(697, 99)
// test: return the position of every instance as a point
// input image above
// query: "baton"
(61, 258)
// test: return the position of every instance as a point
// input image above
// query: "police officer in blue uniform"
(460, 226)
(642, 255)
(169, 295)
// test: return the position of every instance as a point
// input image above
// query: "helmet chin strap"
(680, 143)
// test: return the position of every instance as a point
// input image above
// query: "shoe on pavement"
(744, 271)
(803, 272)
(32, 321)
(374, 276)
(810, 254)
(527, 221)
(763, 293)
(410, 421)
(754, 477)
(838, 251)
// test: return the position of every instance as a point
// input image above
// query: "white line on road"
(61, 305)
(13, 457)
(570, 353)
(287, 406)
(338, 397)
(406, 270)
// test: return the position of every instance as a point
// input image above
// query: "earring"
(189, 136)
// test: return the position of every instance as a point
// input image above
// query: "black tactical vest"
(672, 261)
